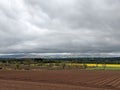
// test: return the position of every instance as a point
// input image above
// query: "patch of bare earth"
(60, 80)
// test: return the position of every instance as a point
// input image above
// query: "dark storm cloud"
(84, 26)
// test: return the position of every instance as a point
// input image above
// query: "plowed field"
(60, 80)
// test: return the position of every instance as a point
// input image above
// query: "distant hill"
(56, 55)
(64, 56)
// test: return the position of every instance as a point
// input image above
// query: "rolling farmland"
(60, 80)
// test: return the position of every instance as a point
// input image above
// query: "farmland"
(44, 74)
(60, 80)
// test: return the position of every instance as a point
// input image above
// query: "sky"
(60, 26)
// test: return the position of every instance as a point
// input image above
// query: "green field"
(29, 64)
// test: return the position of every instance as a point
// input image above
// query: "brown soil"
(60, 80)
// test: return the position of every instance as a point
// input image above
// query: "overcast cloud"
(62, 26)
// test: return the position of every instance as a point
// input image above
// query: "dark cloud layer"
(83, 26)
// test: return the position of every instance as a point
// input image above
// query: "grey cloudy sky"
(84, 26)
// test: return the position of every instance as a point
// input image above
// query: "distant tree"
(96, 64)
(17, 66)
(84, 65)
(104, 66)
(63, 65)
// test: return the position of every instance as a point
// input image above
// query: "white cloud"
(85, 26)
